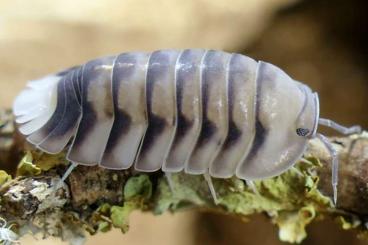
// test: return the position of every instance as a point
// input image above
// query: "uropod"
(199, 111)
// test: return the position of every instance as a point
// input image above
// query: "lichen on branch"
(96, 200)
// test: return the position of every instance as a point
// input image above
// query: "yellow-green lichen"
(137, 191)
(138, 187)
(34, 162)
(101, 218)
(292, 199)
(292, 223)
(26, 166)
(120, 215)
(4, 177)
(104, 226)
(46, 161)
(186, 192)
(350, 222)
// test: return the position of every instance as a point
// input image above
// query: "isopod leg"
(170, 181)
(339, 128)
(252, 186)
(335, 164)
(67, 173)
(297, 171)
(207, 177)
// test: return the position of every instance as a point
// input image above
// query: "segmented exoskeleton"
(199, 111)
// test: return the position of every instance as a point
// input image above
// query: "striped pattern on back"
(193, 110)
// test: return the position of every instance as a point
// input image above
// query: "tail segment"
(35, 105)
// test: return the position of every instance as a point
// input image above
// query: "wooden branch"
(95, 199)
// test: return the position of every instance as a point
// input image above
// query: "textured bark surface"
(95, 199)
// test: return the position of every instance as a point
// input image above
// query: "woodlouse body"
(202, 111)
(194, 110)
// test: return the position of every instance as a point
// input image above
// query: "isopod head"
(286, 117)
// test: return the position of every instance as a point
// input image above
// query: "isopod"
(199, 111)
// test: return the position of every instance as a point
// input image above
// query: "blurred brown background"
(323, 43)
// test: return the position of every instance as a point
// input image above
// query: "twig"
(95, 199)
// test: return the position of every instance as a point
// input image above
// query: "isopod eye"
(302, 132)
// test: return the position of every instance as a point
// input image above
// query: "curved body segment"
(279, 101)
(161, 110)
(97, 113)
(214, 126)
(201, 111)
(130, 124)
(241, 116)
(188, 108)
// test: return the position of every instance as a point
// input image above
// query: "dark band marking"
(259, 139)
(61, 135)
(208, 127)
(80, 80)
(85, 126)
(66, 71)
(234, 133)
(123, 120)
(156, 127)
(75, 83)
(89, 119)
(72, 111)
(261, 132)
(233, 136)
(121, 126)
(183, 123)
(157, 65)
(52, 123)
(182, 128)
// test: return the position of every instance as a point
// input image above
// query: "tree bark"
(94, 199)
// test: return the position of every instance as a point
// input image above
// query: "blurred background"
(322, 43)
